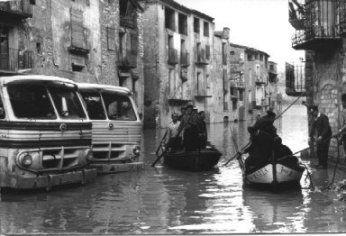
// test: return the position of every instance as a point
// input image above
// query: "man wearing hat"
(265, 124)
(321, 127)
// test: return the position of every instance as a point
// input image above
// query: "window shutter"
(111, 39)
(134, 43)
(77, 31)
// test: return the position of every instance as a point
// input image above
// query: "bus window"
(67, 102)
(94, 105)
(2, 110)
(119, 107)
(31, 101)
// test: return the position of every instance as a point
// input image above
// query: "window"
(241, 95)
(111, 39)
(261, 57)
(94, 105)
(2, 110)
(33, 2)
(182, 24)
(169, 19)
(249, 57)
(196, 25)
(234, 104)
(4, 49)
(224, 54)
(206, 29)
(119, 107)
(77, 29)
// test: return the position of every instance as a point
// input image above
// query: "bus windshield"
(119, 107)
(94, 105)
(67, 102)
(32, 101)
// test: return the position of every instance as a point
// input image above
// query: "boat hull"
(199, 160)
(275, 175)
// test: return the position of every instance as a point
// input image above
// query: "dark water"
(164, 201)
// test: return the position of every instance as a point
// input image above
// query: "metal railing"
(14, 60)
(21, 7)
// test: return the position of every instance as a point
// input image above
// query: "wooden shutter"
(134, 43)
(77, 31)
(111, 39)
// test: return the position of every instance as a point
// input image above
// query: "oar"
(158, 149)
(237, 154)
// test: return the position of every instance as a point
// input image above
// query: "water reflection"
(165, 201)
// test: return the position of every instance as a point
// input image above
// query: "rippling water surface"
(165, 201)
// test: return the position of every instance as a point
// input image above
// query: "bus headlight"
(136, 151)
(26, 160)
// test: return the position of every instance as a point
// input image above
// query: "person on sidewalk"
(322, 128)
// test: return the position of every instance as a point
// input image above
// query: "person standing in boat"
(322, 128)
(188, 127)
(174, 138)
(202, 129)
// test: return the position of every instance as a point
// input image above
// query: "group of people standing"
(187, 131)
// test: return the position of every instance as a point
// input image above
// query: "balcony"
(316, 24)
(127, 60)
(172, 56)
(260, 82)
(240, 84)
(127, 22)
(315, 38)
(184, 59)
(16, 60)
(14, 11)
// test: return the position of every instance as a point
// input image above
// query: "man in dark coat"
(322, 128)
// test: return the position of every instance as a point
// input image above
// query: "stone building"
(321, 31)
(83, 40)
(250, 70)
(178, 48)
(224, 105)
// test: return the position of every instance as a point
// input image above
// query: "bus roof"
(103, 87)
(37, 78)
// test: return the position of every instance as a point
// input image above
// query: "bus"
(117, 127)
(45, 135)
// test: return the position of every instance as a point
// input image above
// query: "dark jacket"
(322, 127)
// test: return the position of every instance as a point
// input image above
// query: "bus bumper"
(109, 168)
(47, 180)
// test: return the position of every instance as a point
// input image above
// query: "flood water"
(165, 201)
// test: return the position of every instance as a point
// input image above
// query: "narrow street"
(165, 201)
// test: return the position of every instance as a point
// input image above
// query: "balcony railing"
(240, 84)
(172, 56)
(127, 59)
(315, 37)
(14, 11)
(15, 60)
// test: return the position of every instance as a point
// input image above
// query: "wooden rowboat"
(198, 160)
(276, 174)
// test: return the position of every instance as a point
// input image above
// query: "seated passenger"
(260, 150)
(113, 110)
(127, 112)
